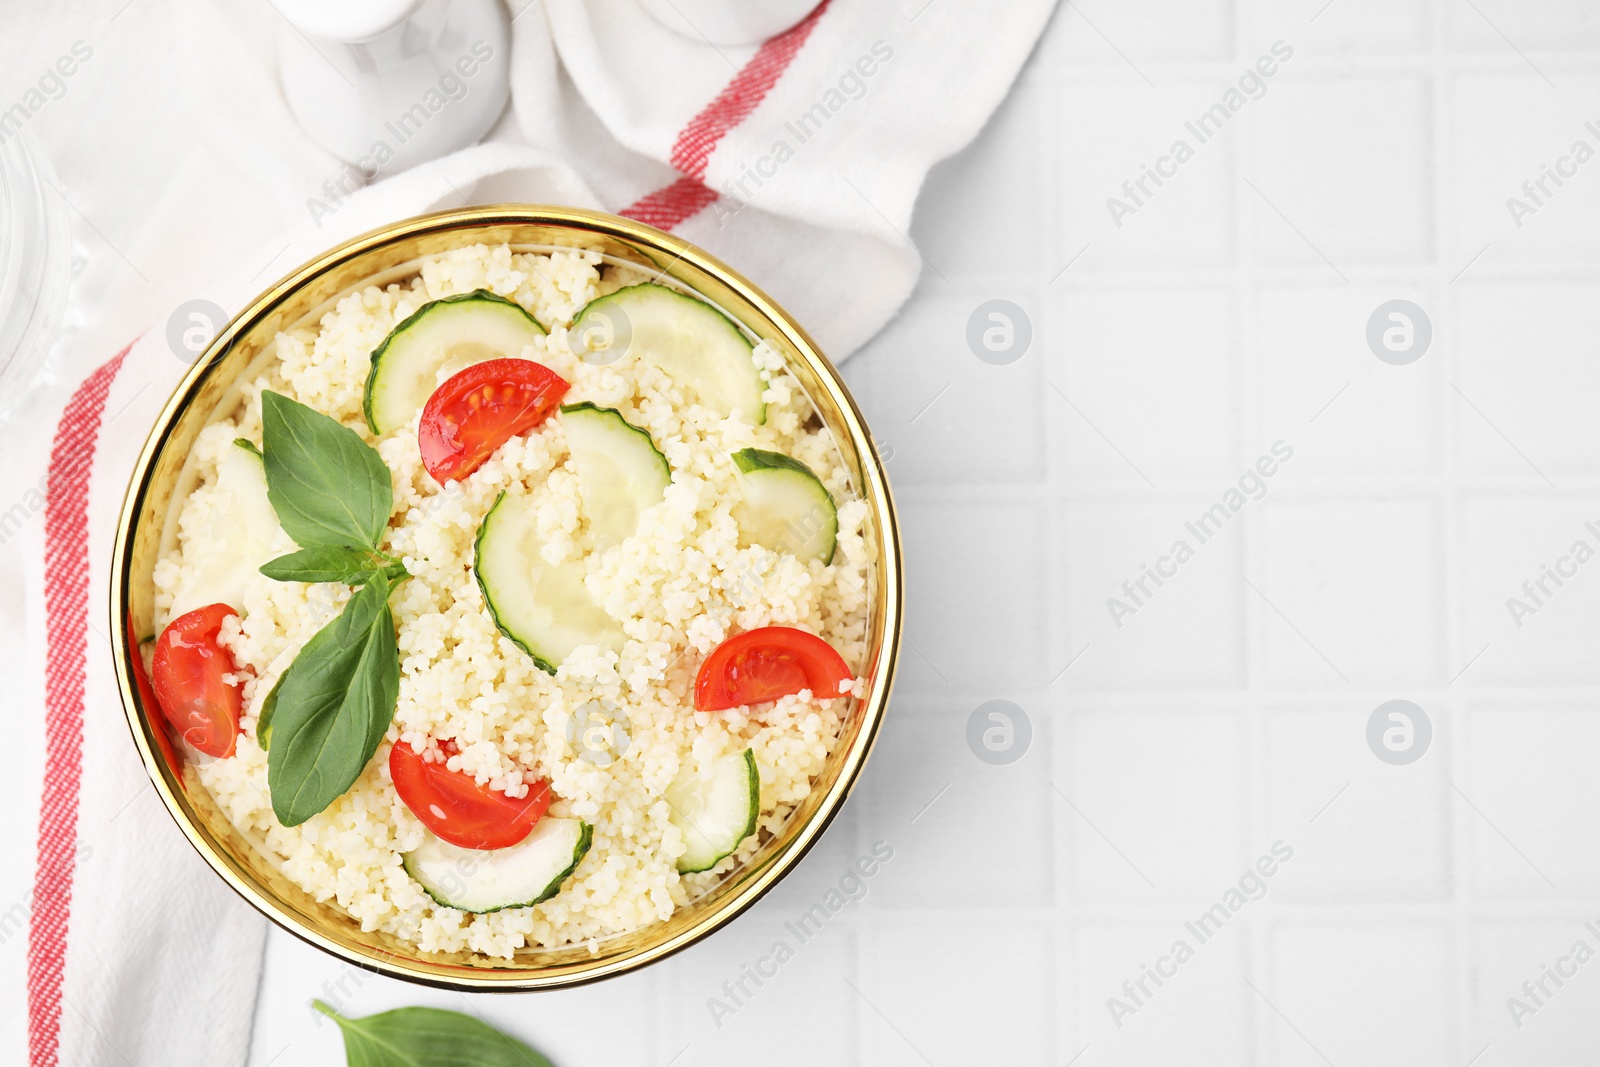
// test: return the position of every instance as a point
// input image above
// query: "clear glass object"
(35, 263)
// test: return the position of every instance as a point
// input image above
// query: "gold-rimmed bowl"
(210, 391)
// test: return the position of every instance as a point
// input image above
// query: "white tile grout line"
(1248, 408)
(1344, 67)
(1447, 435)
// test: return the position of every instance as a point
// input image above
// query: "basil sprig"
(328, 486)
(334, 705)
(328, 712)
(329, 563)
(428, 1037)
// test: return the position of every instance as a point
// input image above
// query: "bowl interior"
(211, 391)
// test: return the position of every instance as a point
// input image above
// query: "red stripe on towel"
(66, 597)
(667, 207)
(691, 152)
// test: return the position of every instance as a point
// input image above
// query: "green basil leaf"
(428, 1037)
(327, 485)
(334, 704)
(327, 563)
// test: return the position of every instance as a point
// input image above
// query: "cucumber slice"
(545, 609)
(698, 346)
(237, 536)
(458, 330)
(480, 880)
(716, 810)
(785, 506)
(620, 471)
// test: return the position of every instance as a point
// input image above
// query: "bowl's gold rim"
(889, 586)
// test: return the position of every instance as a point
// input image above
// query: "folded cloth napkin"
(798, 162)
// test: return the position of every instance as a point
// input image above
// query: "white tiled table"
(1229, 712)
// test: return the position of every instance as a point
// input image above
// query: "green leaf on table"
(333, 705)
(328, 563)
(327, 485)
(428, 1037)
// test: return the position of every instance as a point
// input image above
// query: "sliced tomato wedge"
(187, 675)
(481, 408)
(765, 664)
(456, 808)
(148, 701)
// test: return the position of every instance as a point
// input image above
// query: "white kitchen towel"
(798, 162)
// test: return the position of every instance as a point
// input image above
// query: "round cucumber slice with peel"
(546, 609)
(698, 347)
(457, 331)
(480, 880)
(621, 473)
(716, 810)
(785, 506)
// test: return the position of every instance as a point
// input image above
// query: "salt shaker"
(387, 84)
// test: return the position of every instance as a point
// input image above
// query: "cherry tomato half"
(453, 805)
(147, 700)
(481, 408)
(187, 674)
(765, 664)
